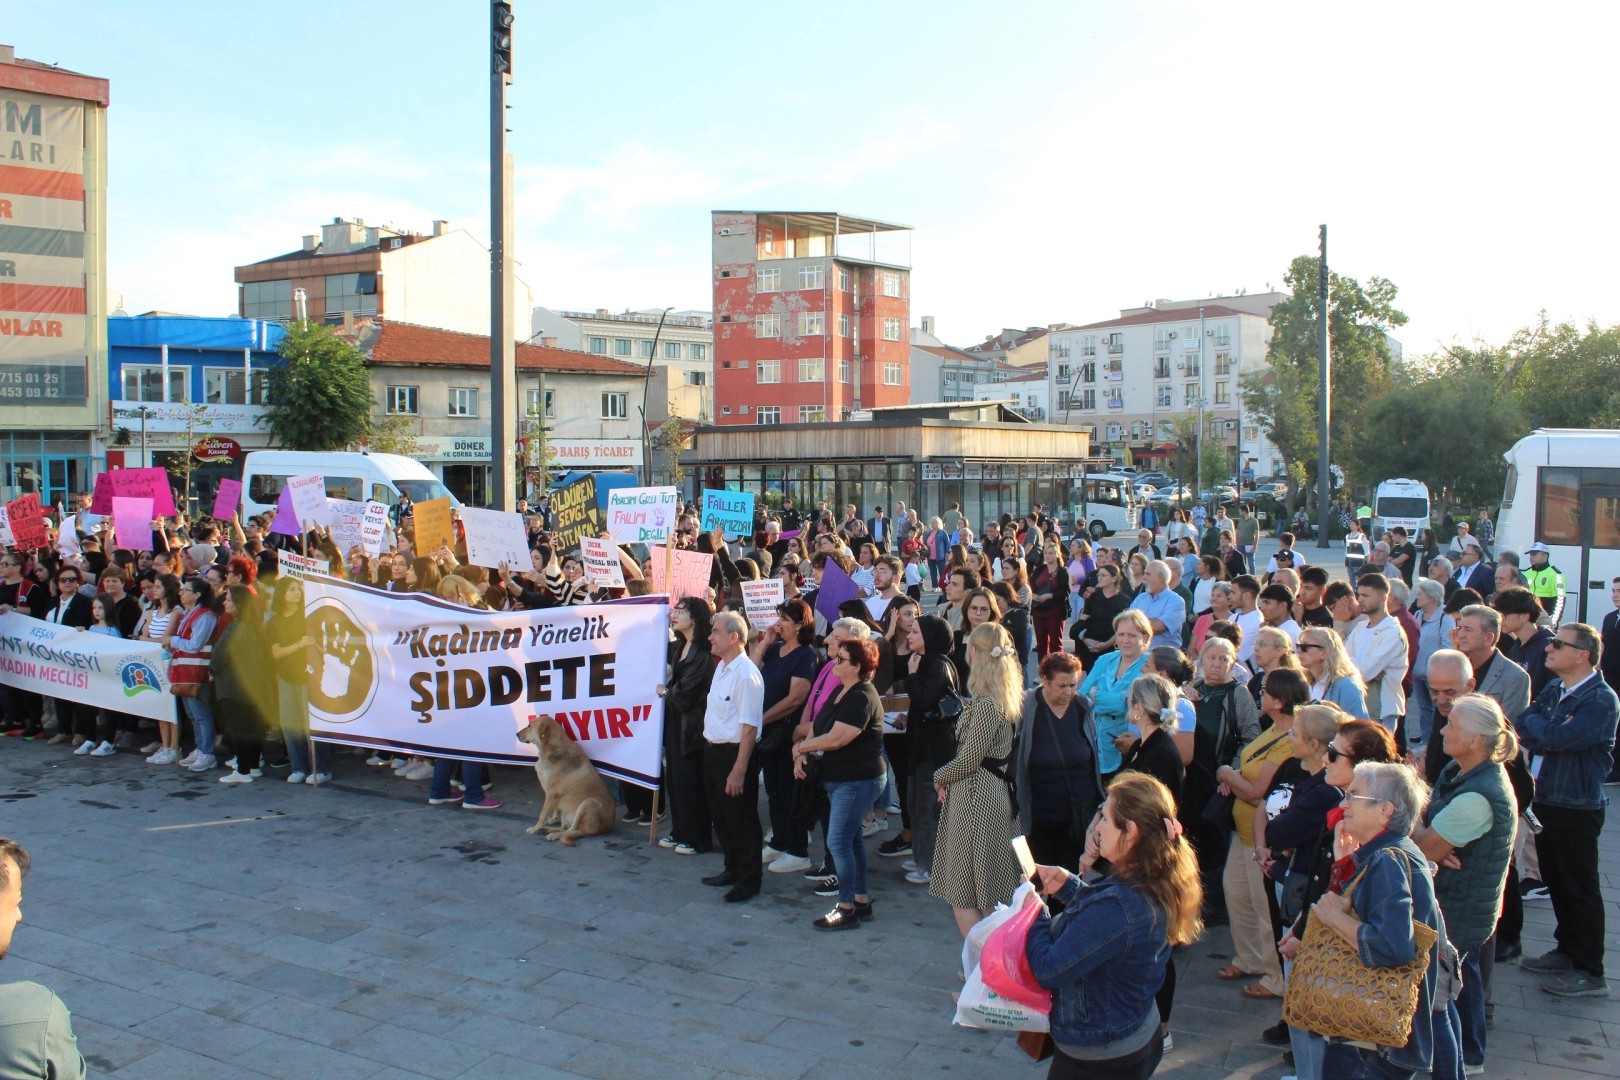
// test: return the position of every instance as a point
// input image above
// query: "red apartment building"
(811, 316)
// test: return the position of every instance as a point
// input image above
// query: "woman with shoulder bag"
(1055, 764)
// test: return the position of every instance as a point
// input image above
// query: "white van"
(1563, 490)
(1400, 502)
(357, 476)
(1110, 505)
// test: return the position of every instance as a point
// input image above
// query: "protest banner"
(347, 516)
(132, 523)
(308, 493)
(67, 537)
(374, 528)
(433, 527)
(27, 522)
(301, 567)
(91, 669)
(415, 675)
(730, 511)
(836, 587)
(227, 498)
(101, 496)
(495, 537)
(150, 483)
(760, 601)
(602, 568)
(285, 522)
(687, 573)
(641, 515)
(575, 513)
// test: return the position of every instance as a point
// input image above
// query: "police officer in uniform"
(1546, 581)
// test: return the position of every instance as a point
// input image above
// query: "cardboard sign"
(761, 599)
(101, 497)
(836, 587)
(301, 567)
(641, 515)
(347, 516)
(309, 499)
(27, 522)
(433, 527)
(285, 521)
(730, 511)
(67, 539)
(132, 523)
(150, 483)
(374, 528)
(602, 568)
(575, 513)
(688, 574)
(495, 537)
(227, 499)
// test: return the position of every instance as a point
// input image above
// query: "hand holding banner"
(433, 528)
(641, 515)
(760, 601)
(132, 522)
(227, 499)
(494, 537)
(730, 511)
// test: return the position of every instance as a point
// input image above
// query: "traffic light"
(501, 31)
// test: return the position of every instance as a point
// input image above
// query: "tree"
(318, 396)
(673, 438)
(1448, 429)
(392, 435)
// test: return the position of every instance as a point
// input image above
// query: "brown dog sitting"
(577, 800)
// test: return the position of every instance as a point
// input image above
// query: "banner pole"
(652, 830)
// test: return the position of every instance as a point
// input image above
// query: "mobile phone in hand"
(1026, 861)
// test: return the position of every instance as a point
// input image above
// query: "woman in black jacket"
(1094, 629)
(243, 686)
(685, 691)
(930, 735)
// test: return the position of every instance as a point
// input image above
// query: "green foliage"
(318, 396)
(392, 435)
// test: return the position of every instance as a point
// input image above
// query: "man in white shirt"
(886, 582)
(1247, 618)
(731, 726)
(1378, 649)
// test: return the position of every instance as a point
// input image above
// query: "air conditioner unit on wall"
(725, 232)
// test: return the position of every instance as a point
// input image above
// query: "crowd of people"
(1186, 738)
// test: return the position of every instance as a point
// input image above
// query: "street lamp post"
(646, 383)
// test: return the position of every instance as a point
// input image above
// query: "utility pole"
(1324, 401)
(1198, 453)
(646, 381)
(502, 294)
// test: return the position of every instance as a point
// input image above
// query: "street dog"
(577, 800)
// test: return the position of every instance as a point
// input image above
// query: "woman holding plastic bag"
(1104, 956)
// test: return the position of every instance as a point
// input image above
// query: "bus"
(1109, 505)
(1563, 490)
(1400, 502)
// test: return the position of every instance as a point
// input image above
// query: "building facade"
(1017, 348)
(812, 316)
(943, 373)
(53, 283)
(1026, 393)
(351, 270)
(680, 352)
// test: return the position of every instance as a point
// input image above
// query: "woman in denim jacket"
(1104, 956)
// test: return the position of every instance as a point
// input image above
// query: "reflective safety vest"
(1547, 584)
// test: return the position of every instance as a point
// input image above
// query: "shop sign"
(217, 448)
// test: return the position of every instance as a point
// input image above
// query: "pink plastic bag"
(1004, 965)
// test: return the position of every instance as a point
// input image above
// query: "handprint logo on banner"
(346, 674)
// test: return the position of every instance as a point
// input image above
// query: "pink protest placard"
(689, 574)
(101, 497)
(150, 483)
(286, 522)
(227, 499)
(27, 522)
(132, 522)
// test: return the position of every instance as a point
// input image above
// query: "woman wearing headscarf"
(930, 736)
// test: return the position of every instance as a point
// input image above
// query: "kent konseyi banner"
(416, 675)
(575, 513)
(107, 672)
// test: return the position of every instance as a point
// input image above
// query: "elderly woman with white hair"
(1334, 678)
(1434, 634)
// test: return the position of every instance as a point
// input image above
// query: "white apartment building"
(682, 355)
(1029, 395)
(1129, 379)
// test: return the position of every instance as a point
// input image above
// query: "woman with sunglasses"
(1334, 679)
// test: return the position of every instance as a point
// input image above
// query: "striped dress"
(974, 864)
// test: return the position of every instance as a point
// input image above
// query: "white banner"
(374, 528)
(292, 564)
(495, 537)
(602, 566)
(346, 524)
(308, 495)
(641, 515)
(76, 665)
(760, 601)
(416, 675)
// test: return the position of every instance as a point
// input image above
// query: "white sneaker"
(789, 864)
(872, 828)
(203, 763)
(255, 773)
(403, 764)
(234, 777)
(106, 749)
(84, 748)
(909, 865)
(231, 764)
(422, 770)
(768, 853)
(378, 759)
(919, 877)
(319, 778)
(189, 758)
(296, 777)
(163, 756)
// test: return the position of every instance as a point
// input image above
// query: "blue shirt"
(1108, 689)
(1169, 609)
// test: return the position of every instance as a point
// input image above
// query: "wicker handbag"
(1333, 994)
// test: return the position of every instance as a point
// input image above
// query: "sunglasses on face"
(1560, 643)
(1335, 754)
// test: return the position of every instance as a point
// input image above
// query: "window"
(1193, 366)
(229, 386)
(265, 300)
(891, 329)
(355, 293)
(146, 383)
(1223, 336)
(1192, 393)
(621, 346)
(616, 406)
(891, 375)
(843, 280)
(700, 350)
(531, 402)
(1088, 371)
(644, 349)
(1223, 363)
(1161, 397)
(812, 414)
(813, 277)
(599, 346)
(767, 326)
(400, 401)
(1223, 393)
(769, 280)
(1063, 373)
(1161, 367)
(697, 378)
(1086, 399)
(891, 283)
(1560, 504)
(843, 371)
(672, 350)
(812, 370)
(812, 324)
(1088, 346)
(768, 371)
(463, 401)
(768, 414)
(843, 325)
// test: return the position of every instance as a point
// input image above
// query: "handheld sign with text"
(602, 567)
(374, 528)
(227, 499)
(285, 521)
(132, 523)
(150, 483)
(101, 497)
(309, 499)
(495, 537)
(293, 565)
(27, 522)
(433, 528)
(761, 599)
(575, 513)
(688, 576)
(347, 516)
(641, 515)
(729, 511)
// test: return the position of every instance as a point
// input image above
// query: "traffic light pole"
(502, 295)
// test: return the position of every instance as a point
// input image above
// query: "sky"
(1057, 161)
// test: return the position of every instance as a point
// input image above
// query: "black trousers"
(1567, 846)
(900, 761)
(688, 805)
(1510, 926)
(244, 727)
(736, 817)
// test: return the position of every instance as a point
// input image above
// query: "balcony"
(1116, 347)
